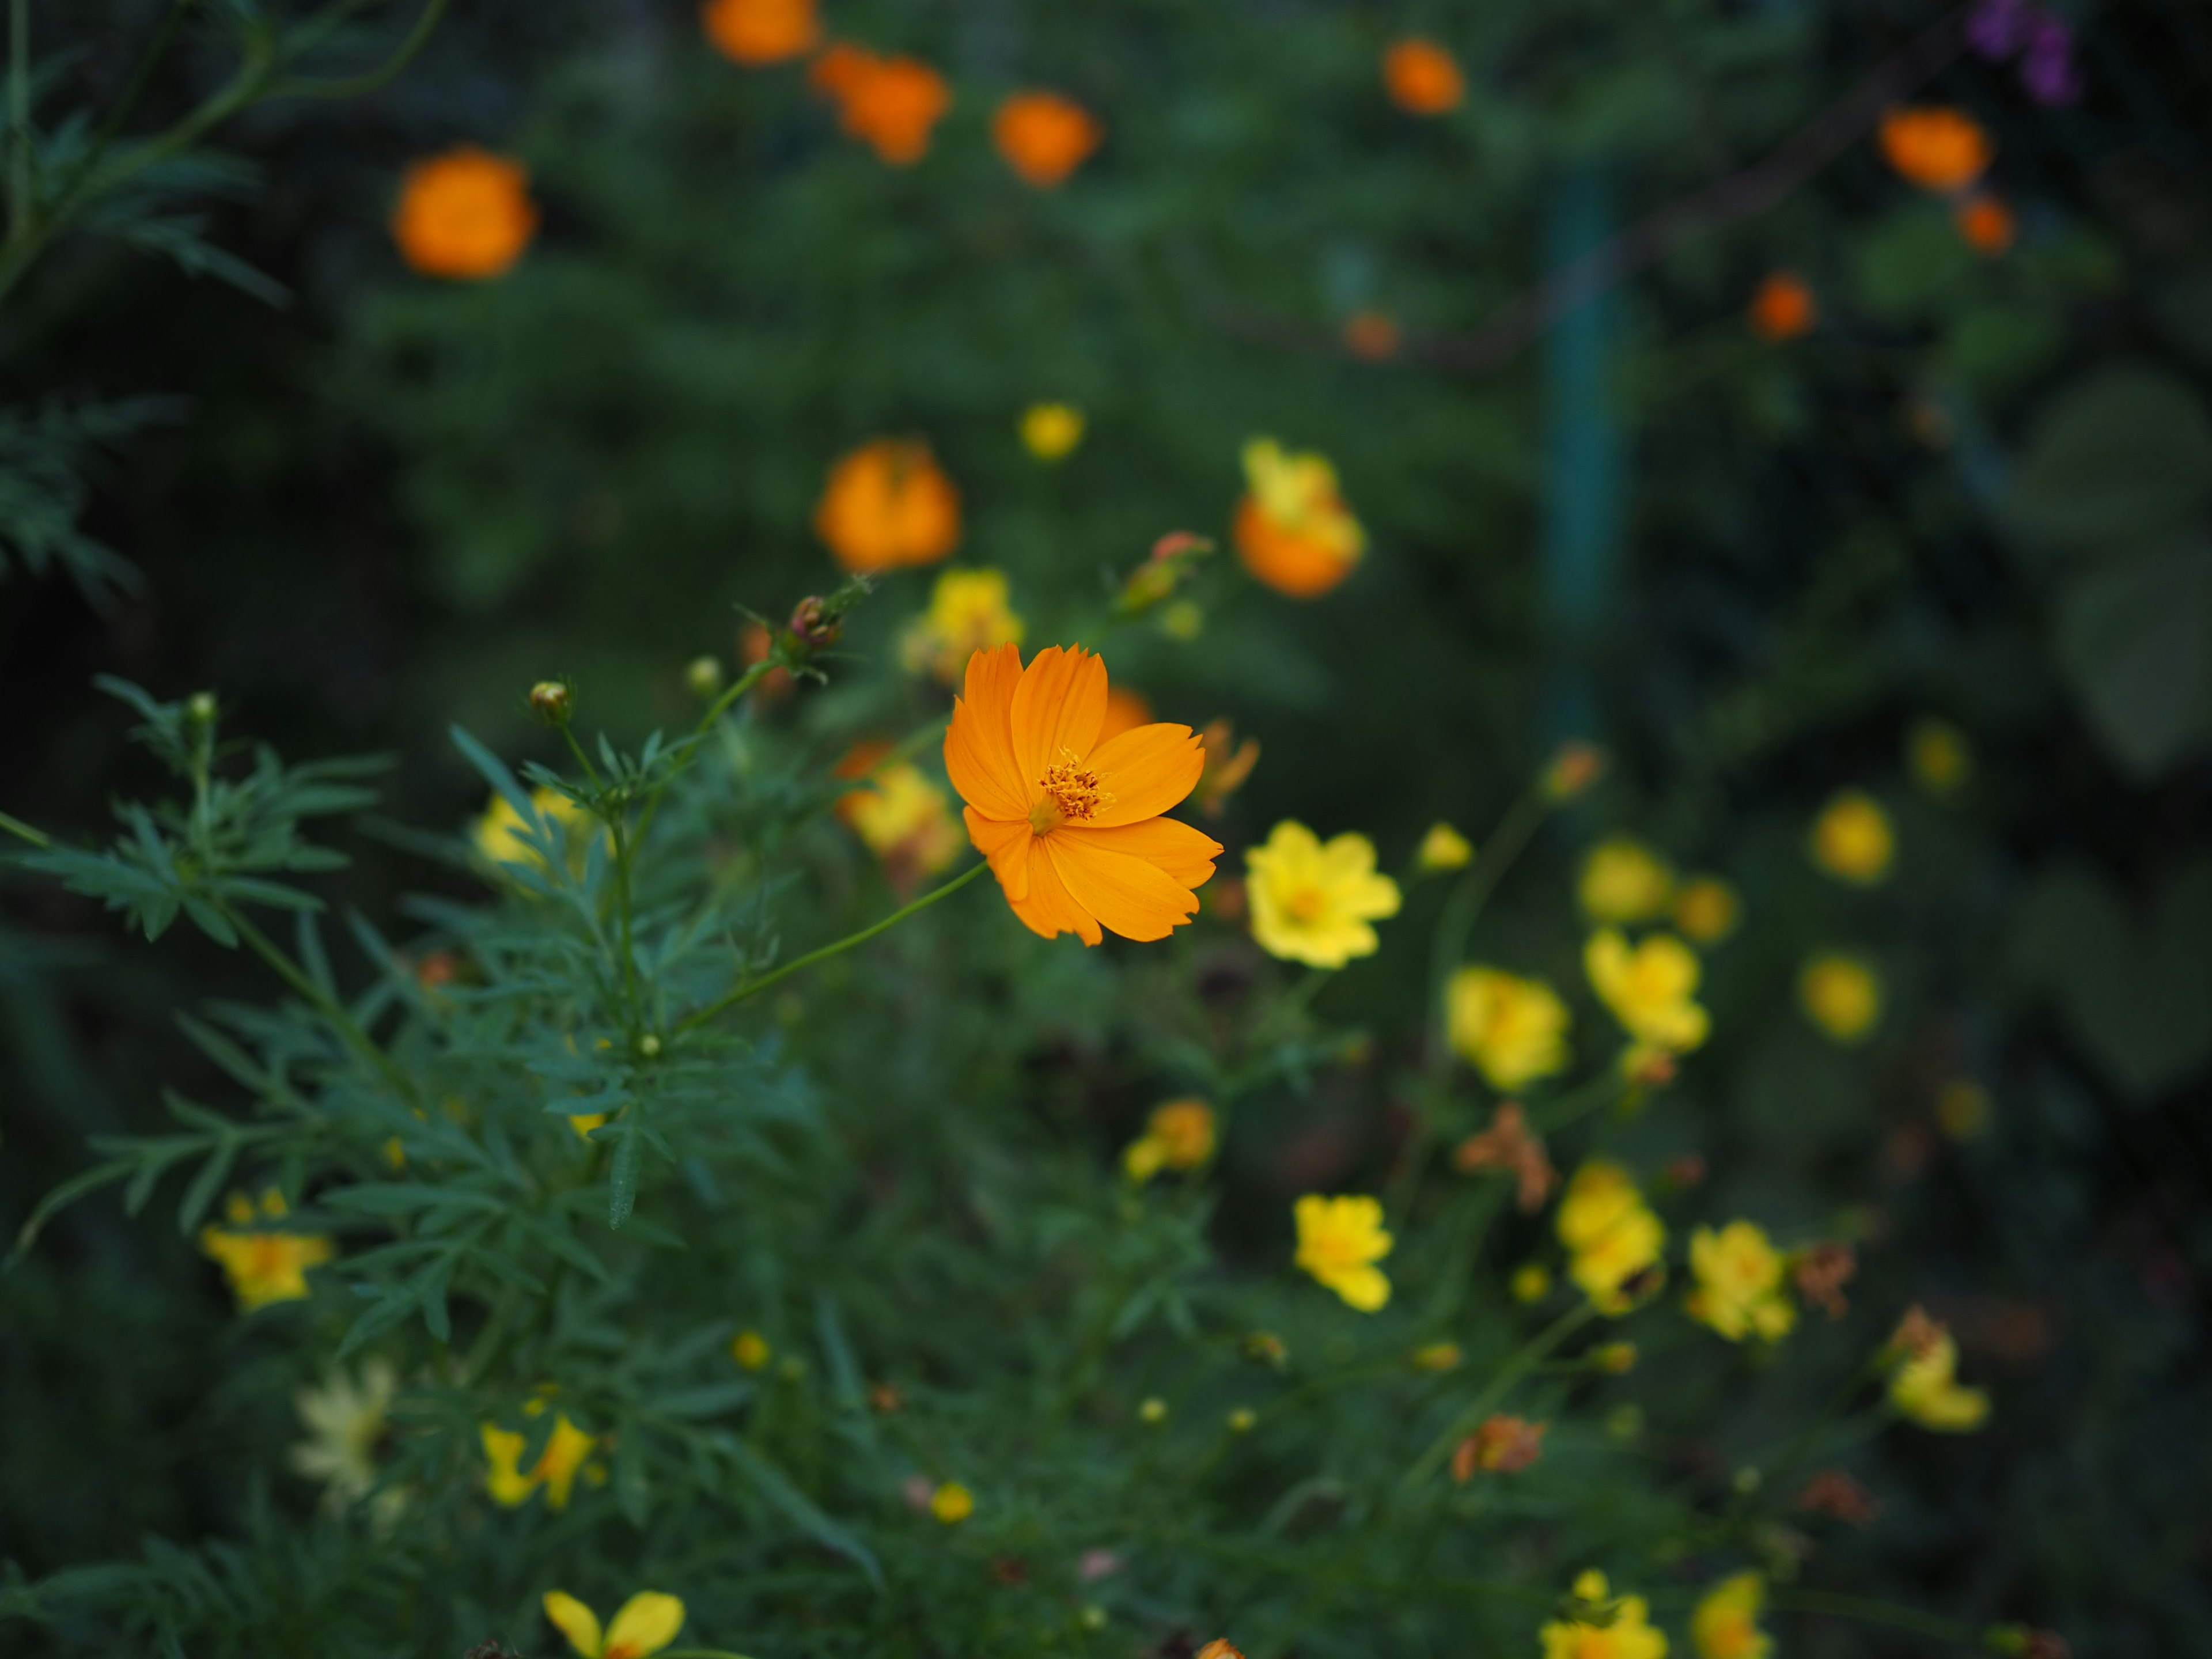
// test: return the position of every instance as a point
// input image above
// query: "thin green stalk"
(20, 209)
(1531, 1353)
(38, 838)
(293, 976)
(1800, 1446)
(354, 85)
(1866, 1610)
(1579, 1103)
(1506, 844)
(753, 987)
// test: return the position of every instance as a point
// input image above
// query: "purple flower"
(2047, 69)
(1999, 29)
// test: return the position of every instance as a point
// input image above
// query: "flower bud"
(704, 677)
(814, 625)
(1574, 768)
(552, 702)
(199, 709)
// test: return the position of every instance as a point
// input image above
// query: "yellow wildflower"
(1051, 431)
(1514, 1030)
(647, 1622)
(1313, 902)
(1739, 1277)
(1610, 1233)
(1937, 755)
(1707, 909)
(345, 1421)
(1623, 881)
(1852, 840)
(952, 1503)
(1443, 849)
(1340, 1241)
(1650, 987)
(969, 611)
(1725, 1624)
(751, 1350)
(1625, 1633)
(264, 1265)
(1925, 1386)
(566, 1449)
(1177, 1136)
(500, 833)
(906, 820)
(1531, 1282)
(1841, 994)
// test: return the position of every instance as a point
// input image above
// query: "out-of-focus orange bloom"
(1504, 1445)
(1987, 224)
(1935, 147)
(891, 103)
(1125, 710)
(761, 30)
(1783, 307)
(1510, 1145)
(888, 504)
(1371, 335)
(1422, 78)
(465, 214)
(1044, 137)
(1292, 529)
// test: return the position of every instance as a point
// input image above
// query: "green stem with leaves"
(341, 1022)
(1526, 1358)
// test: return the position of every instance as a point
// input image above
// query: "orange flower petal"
(1007, 846)
(979, 745)
(1148, 770)
(1186, 854)
(1049, 909)
(1060, 705)
(1133, 897)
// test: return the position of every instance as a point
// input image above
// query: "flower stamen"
(1072, 794)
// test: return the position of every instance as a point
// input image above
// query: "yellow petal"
(576, 1621)
(648, 1622)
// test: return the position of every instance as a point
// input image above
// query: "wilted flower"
(1044, 137)
(1739, 1289)
(1422, 78)
(1228, 763)
(1725, 1623)
(263, 1265)
(1179, 1136)
(1315, 902)
(1832, 1492)
(1852, 839)
(1820, 1272)
(1072, 826)
(1051, 431)
(1841, 994)
(1340, 1241)
(557, 1467)
(1513, 1030)
(761, 30)
(1443, 849)
(1610, 1235)
(1651, 987)
(466, 214)
(1371, 335)
(1784, 306)
(890, 103)
(1601, 1627)
(1624, 881)
(1510, 1145)
(1501, 1445)
(888, 504)
(1292, 529)
(1936, 148)
(647, 1623)
(968, 612)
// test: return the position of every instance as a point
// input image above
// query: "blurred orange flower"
(761, 30)
(1371, 335)
(1125, 710)
(1783, 307)
(1422, 78)
(1044, 137)
(892, 103)
(888, 504)
(1292, 529)
(1071, 825)
(1987, 224)
(465, 214)
(1935, 147)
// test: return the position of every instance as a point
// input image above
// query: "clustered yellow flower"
(1651, 987)
(263, 1264)
(970, 610)
(1314, 901)
(1740, 1280)
(1841, 994)
(1340, 1241)
(906, 820)
(1624, 881)
(1178, 1135)
(566, 1449)
(1610, 1234)
(1513, 1030)
(1616, 1628)
(1852, 840)
(1725, 1623)
(647, 1623)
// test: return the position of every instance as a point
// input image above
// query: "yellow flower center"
(1072, 794)
(1306, 904)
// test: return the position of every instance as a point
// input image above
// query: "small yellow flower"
(906, 820)
(1651, 987)
(1840, 995)
(1624, 881)
(1739, 1277)
(1513, 1030)
(1937, 755)
(1925, 1387)
(751, 1350)
(1183, 621)
(647, 1623)
(345, 1421)
(1443, 849)
(1340, 1241)
(1437, 1356)
(1179, 1136)
(264, 1265)
(1610, 1233)
(1852, 840)
(1725, 1624)
(970, 610)
(1707, 909)
(1962, 1109)
(1051, 431)
(1313, 902)
(500, 833)
(566, 1449)
(1153, 1410)
(952, 1503)
(1624, 1631)
(1531, 1282)
(583, 1124)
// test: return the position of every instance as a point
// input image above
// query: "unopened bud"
(552, 702)
(704, 677)
(1574, 768)
(200, 708)
(813, 624)
(648, 1046)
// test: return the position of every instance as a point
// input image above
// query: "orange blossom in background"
(1935, 147)
(1044, 137)
(1422, 78)
(1783, 307)
(891, 103)
(888, 504)
(1292, 529)
(761, 30)
(465, 214)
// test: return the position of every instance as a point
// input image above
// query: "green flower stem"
(1866, 1610)
(1577, 1103)
(752, 988)
(16, 827)
(1531, 1354)
(293, 976)
(355, 86)
(1801, 1446)
(1465, 905)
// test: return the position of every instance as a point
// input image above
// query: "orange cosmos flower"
(1422, 78)
(1071, 825)
(465, 214)
(1783, 307)
(888, 504)
(761, 30)
(1125, 710)
(1987, 224)
(1292, 529)
(1044, 137)
(1935, 147)
(890, 102)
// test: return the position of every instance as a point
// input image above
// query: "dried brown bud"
(1821, 1272)
(1503, 1445)
(1917, 1336)
(886, 1398)
(1509, 1144)
(552, 702)
(1833, 1493)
